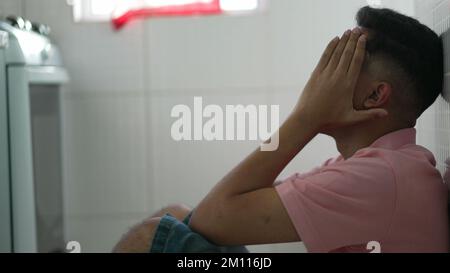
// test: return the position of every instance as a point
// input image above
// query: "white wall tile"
(11, 7)
(207, 52)
(105, 153)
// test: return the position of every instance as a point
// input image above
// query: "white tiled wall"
(434, 126)
(120, 161)
(10, 7)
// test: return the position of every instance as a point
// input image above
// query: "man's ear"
(379, 96)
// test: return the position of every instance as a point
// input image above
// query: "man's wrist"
(305, 121)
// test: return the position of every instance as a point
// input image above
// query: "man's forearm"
(261, 168)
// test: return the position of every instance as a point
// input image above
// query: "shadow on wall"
(446, 95)
(447, 182)
(447, 174)
(446, 46)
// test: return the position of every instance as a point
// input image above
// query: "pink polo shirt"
(389, 192)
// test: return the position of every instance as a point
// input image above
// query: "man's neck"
(353, 138)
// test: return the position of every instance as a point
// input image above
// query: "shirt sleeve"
(344, 204)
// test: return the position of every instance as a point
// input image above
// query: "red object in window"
(210, 8)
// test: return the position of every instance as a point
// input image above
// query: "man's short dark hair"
(412, 47)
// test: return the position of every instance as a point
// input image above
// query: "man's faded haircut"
(413, 52)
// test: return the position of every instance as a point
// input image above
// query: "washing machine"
(32, 79)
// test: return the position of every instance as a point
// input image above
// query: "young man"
(367, 91)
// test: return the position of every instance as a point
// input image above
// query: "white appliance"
(31, 180)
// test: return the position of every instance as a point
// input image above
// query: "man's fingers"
(349, 51)
(327, 54)
(334, 61)
(364, 115)
(358, 58)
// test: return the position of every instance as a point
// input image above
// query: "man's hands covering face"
(327, 99)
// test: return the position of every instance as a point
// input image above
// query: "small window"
(121, 11)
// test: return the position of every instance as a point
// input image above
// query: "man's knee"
(139, 238)
(179, 211)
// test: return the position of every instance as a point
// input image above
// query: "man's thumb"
(363, 115)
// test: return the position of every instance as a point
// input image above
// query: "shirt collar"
(396, 139)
